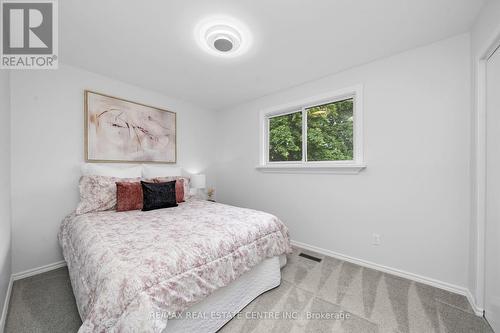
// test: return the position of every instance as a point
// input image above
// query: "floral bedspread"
(131, 271)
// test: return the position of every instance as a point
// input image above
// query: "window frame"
(340, 166)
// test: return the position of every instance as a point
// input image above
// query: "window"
(322, 134)
(285, 137)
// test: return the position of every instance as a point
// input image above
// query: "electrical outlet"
(376, 239)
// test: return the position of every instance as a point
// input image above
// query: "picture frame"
(118, 130)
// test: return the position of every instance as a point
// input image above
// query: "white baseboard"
(407, 275)
(22, 275)
(3, 319)
(477, 309)
(38, 270)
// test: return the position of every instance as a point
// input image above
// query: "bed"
(141, 271)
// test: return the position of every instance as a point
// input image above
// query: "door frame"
(478, 165)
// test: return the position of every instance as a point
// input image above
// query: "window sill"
(348, 169)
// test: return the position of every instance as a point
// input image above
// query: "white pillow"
(154, 171)
(91, 169)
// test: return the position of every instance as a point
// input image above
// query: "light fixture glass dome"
(223, 36)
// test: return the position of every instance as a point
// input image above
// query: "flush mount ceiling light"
(223, 36)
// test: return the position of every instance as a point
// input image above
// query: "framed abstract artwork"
(117, 130)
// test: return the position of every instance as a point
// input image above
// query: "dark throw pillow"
(179, 186)
(158, 195)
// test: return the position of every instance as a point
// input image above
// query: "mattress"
(212, 313)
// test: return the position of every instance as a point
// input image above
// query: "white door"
(492, 241)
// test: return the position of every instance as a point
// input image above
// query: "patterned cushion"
(98, 193)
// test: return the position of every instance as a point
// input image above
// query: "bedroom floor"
(374, 301)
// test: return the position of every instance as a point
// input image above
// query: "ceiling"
(151, 43)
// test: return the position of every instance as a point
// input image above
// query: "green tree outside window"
(329, 134)
(285, 137)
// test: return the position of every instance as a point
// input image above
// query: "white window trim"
(343, 167)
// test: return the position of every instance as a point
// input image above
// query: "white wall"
(486, 27)
(47, 146)
(415, 191)
(5, 234)
(485, 30)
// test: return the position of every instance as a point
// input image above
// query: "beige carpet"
(339, 296)
(374, 301)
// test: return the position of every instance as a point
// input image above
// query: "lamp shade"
(198, 181)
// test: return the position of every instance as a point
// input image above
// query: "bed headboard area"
(132, 170)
